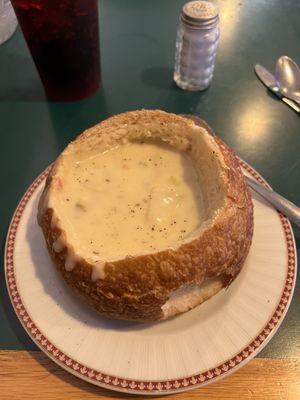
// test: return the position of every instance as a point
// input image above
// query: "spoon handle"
(292, 103)
(285, 206)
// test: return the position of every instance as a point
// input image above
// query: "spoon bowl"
(287, 75)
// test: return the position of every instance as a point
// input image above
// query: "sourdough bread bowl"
(186, 254)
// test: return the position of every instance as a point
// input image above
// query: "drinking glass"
(63, 38)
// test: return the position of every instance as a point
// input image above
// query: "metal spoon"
(287, 75)
(280, 203)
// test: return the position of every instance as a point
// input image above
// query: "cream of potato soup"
(136, 198)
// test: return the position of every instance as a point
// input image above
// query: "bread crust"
(136, 288)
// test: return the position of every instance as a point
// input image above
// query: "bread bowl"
(167, 266)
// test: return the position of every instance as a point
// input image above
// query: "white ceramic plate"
(186, 352)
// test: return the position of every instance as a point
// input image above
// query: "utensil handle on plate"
(285, 206)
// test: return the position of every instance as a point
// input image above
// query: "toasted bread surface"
(153, 286)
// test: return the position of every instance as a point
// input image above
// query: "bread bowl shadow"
(55, 287)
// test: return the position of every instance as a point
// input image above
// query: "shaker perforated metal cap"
(200, 14)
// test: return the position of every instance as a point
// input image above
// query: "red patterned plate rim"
(138, 386)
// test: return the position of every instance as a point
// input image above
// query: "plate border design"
(138, 386)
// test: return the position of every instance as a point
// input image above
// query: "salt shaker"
(196, 45)
(8, 20)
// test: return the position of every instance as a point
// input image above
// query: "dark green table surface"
(137, 46)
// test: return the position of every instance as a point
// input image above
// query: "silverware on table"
(287, 75)
(270, 82)
(280, 203)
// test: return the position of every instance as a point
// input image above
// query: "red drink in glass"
(63, 38)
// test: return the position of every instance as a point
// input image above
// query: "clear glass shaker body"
(8, 20)
(195, 55)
